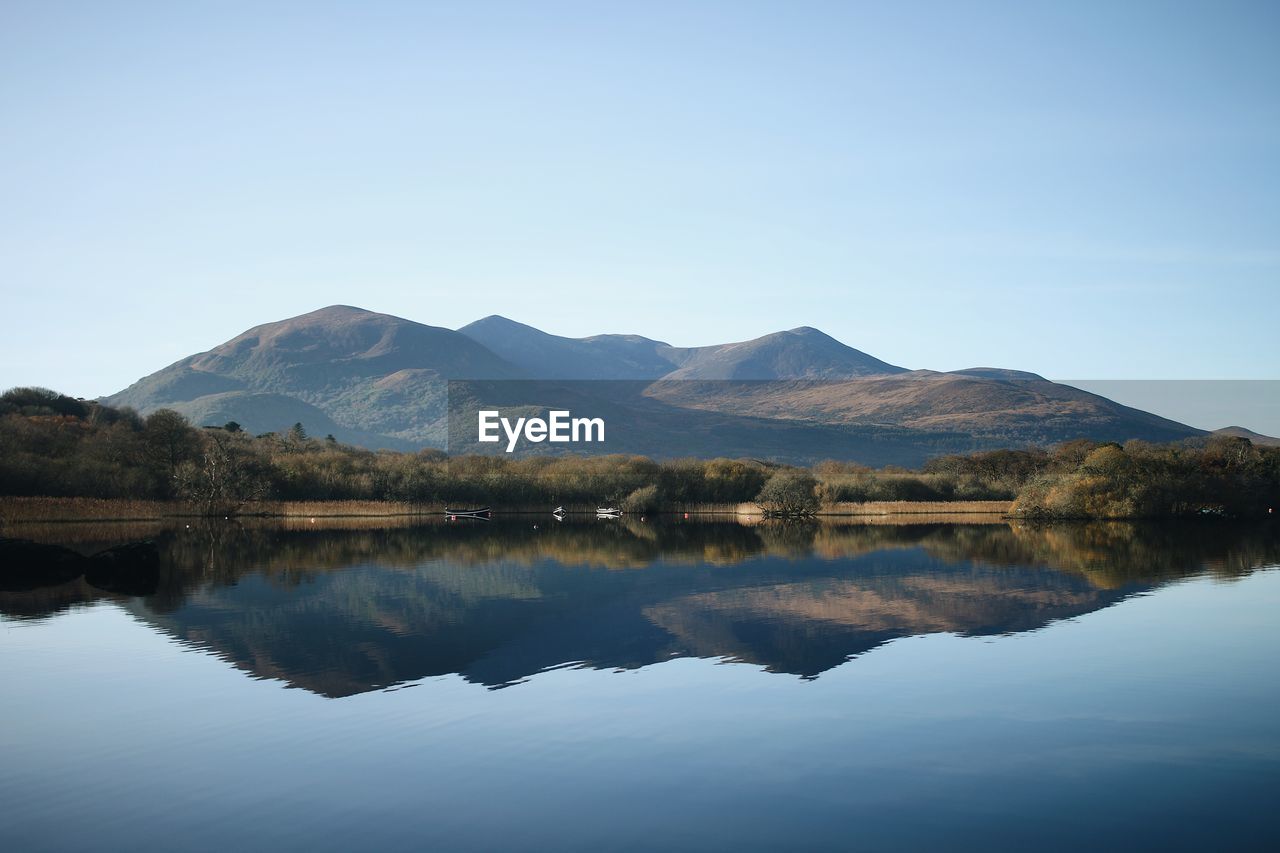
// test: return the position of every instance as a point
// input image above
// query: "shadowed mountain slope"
(1028, 410)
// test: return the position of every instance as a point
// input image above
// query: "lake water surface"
(626, 685)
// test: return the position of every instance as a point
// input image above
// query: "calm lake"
(628, 685)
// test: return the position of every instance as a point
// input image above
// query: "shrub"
(643, 499)
(791, 491)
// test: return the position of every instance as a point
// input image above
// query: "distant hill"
(1255, 437)
(381, 381)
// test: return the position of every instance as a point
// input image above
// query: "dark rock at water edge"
(26, 565)
(132, 569)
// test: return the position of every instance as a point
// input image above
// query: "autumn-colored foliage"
(56, 446)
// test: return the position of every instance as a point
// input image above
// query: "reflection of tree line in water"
(1107, 554)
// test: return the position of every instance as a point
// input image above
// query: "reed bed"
(339, 509)
(27, 509)
(875, 509)
(90, 536)
(913, 518)
(919, 508)
(16, 510)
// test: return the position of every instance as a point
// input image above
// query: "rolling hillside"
(380, 377)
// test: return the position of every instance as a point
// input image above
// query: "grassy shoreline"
(38, 509)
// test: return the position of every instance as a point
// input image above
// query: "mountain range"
(381, 381)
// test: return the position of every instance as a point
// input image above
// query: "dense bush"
(790, 491)
(947, 478)
(1223, 476)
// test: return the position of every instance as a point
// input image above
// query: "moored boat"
(467, 513)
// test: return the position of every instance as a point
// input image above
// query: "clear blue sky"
(1082, 189)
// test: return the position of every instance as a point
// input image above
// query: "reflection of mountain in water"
(809, 626)
(346, 611)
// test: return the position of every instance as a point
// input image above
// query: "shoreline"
(61, 510)
(23, 510)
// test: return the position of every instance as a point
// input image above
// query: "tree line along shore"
(57, 447)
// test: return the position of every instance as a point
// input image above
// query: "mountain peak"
(328, 326)
(800, 353)
(998, 373)
(340, 355)
(497, 324)
(496, 319)
(340, 311)
(352, 309)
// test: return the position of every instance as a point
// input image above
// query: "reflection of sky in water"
(1148, 722)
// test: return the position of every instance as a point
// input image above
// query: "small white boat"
(608, 512)
(455, 514)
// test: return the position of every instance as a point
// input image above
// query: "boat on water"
(608, 512)
(558, 511)
(466, 513)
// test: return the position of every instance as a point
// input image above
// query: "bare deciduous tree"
(226, 477)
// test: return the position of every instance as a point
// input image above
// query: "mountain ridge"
(546, 356)
(381, 381)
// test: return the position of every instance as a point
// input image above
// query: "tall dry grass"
(19, 509)
(894, 508)
(919, 508)
(27, 509)
(338, 509)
